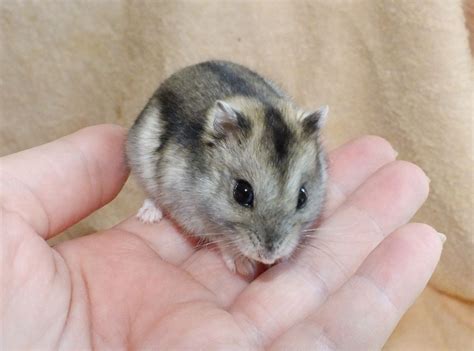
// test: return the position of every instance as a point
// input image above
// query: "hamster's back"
(176, 113)
(200, 85)
(185, 97)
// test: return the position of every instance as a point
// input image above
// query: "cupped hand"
(137, 286)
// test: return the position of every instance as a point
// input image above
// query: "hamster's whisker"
(291, 259)
(330, 229)
(212, 243)
(326, 250)
(221, 242)
(209, 234)
(333, 238)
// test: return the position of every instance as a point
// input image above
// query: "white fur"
(149, 212)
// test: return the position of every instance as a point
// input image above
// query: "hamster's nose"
(267, 253)
(269, 245)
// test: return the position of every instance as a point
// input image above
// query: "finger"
(288, 292)
(351, 164)
(55, 185)
(208, 268)
(364, 312)
(204, 264)
(163, 237)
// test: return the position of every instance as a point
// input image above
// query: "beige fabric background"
(399, 69)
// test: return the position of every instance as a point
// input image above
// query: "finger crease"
(314, 279)
(327, 341)
(380, 290)
(372, 220)
(27, 188)
(335, 187)
(125, 231)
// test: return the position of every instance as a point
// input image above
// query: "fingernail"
(442, 237)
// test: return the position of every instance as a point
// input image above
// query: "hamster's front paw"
(149, 212)
(229, 262)
(246, 266)
(241, 265)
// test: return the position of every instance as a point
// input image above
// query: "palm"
(143, 286)
(132, 291)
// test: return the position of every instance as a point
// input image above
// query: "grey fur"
(188, 164)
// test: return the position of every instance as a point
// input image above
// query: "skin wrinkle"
(87, 306)
(60, 259)
(216, 297)
(18, 244)
(17, 250)
(305, 269)
(322, 338)
(261, 340)
(328, 342)
(373, 221)
(380, 290)
(256, 348)
(255, 335)
(43, 233)
(127, 232)
(313, 267)
(54, 276)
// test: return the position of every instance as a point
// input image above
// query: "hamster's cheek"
(244, 244)
(290, 244)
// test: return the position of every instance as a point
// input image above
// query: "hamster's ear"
(226, 118)
(314, 121)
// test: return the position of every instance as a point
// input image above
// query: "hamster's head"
(267, 176)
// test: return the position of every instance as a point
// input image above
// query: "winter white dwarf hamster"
(230, 158)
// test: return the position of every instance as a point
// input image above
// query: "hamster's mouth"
(265, 257)
(267, 261)
(280, 251)
(262, 257)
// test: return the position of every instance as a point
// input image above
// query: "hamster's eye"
(243, 193)
(302, 197)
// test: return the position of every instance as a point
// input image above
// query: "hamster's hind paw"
(149, 212)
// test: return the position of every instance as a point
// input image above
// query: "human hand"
(138, 286)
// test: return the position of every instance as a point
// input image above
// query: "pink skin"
(138, 286)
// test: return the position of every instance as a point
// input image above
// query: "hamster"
(231, 159)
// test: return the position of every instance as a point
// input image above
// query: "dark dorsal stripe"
(186, 96)
(279, 133)
(229, 79)
(244, 123)
(187, 131)
(239, 80)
